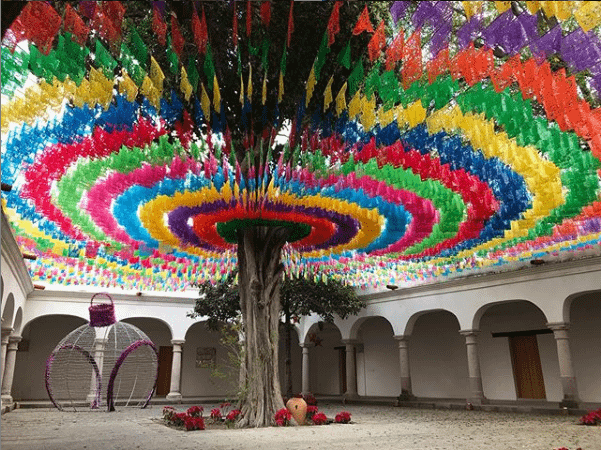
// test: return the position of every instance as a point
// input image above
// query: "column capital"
(6, 331)
(402, 337)
(558, 326)
(469, 332)
(178, 341)
(13, 342)
(350, 341)
(306, 344)
(100, 341)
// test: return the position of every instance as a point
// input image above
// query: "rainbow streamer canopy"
(400, 142)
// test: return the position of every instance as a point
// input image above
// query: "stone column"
(176, 371)
(306, 389)
(406, 391)
(566, 370)
(351, 369)
(99, 344)
(9, 369)
(5, 334)
(473, 366)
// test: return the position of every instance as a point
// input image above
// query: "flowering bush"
(591, 418)
(194, 423)
(565, 448)
(311, 411)
(215, 414)
(319, 419)
(232, 417)
(343, 417)
(282, 417)
(310, 399)
(190, 420)
(195, 411)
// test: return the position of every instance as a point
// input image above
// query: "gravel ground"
(378, 427)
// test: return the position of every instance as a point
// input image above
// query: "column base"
(174, 396)
(569, 404)
(406, 396)
(7, 399)
(478, 401)
(349, 396)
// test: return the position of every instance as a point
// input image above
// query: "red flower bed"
(343, 417)
(320, 419)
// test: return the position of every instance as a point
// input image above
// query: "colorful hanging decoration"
(464, 140)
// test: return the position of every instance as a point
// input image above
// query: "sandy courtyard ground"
(374, 427)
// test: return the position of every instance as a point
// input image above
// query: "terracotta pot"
(298, 409)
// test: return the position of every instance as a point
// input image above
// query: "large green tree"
(220, 304)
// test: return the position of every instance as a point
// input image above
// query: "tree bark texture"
(260, 278)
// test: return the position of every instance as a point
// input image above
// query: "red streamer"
(334, 23)
(177, 38)
(234, 27)
(290, 23)
(363, 24)
(394, 52)
(75, 25)
(249, 17)
(377, 42)
(412, 59)
(266, 13)
(38, 23)
(159, 27)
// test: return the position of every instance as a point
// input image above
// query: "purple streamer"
(529, 24)
(469, 31)
(581, 50)
(547, 44)
(440, 38)
(398, 9)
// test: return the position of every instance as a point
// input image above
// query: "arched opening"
(17, 322)
(327, 359)
(518, 354)
(296, 354)
(159, 333)
(210, 364)
(40, 337)
(438, 357)
(585, 339)
(378, 372)
(8, 309)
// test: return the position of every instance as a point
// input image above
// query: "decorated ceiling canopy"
(444, 139)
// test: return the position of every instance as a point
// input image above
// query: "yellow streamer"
(502, 6)
(205, 103)
(310, 85)
(185, 85)
(341, 100)
(264, 92)
(281, 88)
(156, 75)
(249, 87)
(128, 87)
(327, 95)
(471, 8)
(216, 95)
(354, 106)
(588, 15)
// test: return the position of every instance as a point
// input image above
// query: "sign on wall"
(205, 357)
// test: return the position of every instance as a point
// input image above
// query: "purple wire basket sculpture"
(102, 364)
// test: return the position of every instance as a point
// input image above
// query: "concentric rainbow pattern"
(421, 165)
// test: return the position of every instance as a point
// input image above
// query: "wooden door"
(527, 370)
(164, 379)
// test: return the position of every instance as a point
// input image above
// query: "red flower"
(195, 411)
(320, 419)
(592, 418)
(311, 410)
(194, 423)
(282, 417)
(232, 416)
(216, 414)
(343, 417)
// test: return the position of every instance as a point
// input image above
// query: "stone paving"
(380, 427)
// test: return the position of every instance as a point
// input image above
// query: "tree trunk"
(260, 279)
(288, 365)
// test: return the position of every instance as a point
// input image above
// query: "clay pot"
(298, 408)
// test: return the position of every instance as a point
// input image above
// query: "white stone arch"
(133, 319)
(416, 315)
(356, 326)
(567, 304)
(18, 322)
(2, 289)
(8, 310)
(481, 311)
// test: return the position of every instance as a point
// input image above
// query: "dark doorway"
(164, 379)
(527, 369)
(342, 368)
